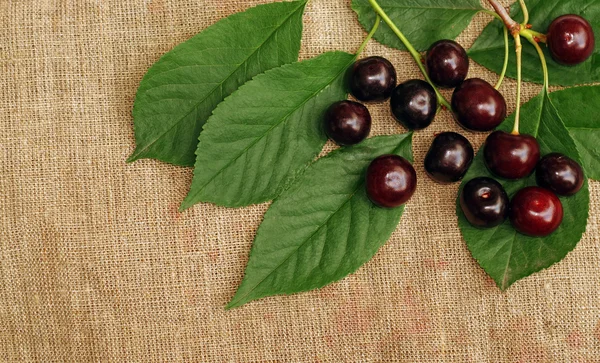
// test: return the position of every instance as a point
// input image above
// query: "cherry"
(478, 106)
(511, 156)
(372, 79)
(391, 181)
(414, 104)
(570, 39)
(449, 157)
(484, 202)
(536, 212)
(447, 63)
(347, 122)
(560, 174)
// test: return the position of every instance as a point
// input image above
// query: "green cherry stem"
(506, 53)
(525, 12)
(371, 33)
(542, 38)
(519, 50)
(516, 30)
(540, 52)
(506, 50)
(416, 55)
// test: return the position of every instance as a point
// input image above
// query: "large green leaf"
(579, 110)
(423, 22)
(181, 90)
(504, 254)
(488, 50)
(267, 131)
(323, 227)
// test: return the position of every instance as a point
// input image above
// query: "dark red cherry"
(449, 157)
(571, 39)
(447, 63)
(560, 174)
(372, 79)
(484, 202)
(391, 181)
(536, 212)
(511, 156)
(347, 122)
(414, 104)
(478, 106)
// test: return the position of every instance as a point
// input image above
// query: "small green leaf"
(181, 90)
(323, 227)
(267, 131)
(488, 49)
(581, 114)
(423, 22)
(508, 256)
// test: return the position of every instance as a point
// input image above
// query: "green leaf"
(181, 90)
(508, 256)
(488, 49)
(266, 132)
(579, 110)
(323, 227)
(422, 22)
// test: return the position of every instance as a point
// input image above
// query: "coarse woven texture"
(96, 264)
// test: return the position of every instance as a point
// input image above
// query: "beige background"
(96, 264)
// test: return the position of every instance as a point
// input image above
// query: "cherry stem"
(525, 12)
(505, 66)
(540, 52)
(417, 57)
(542, 38)
(519, 49)
(371, 33)
(506, 50)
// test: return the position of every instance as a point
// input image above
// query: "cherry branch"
(510, 24)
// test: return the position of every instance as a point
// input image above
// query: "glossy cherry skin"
(372, 79)
(571, 40)
(484, 202)
(560, 174)
(447, 63)
(449, 157)
(391, 181)
(347, 122)
(511, 156)
(414, 104)
(478, 106)
(536, 212)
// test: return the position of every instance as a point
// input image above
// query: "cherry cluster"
(477, 106)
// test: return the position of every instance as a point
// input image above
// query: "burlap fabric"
(96, 264)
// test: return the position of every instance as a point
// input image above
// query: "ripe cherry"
(536, 212)
(478, 106)
(560, 174)
(391, 181)
(511, 156)
(372, 79)
(347, 122)
(571, 39)
(449, 157)
(484, 202)
(447, 63)
(414, 104)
